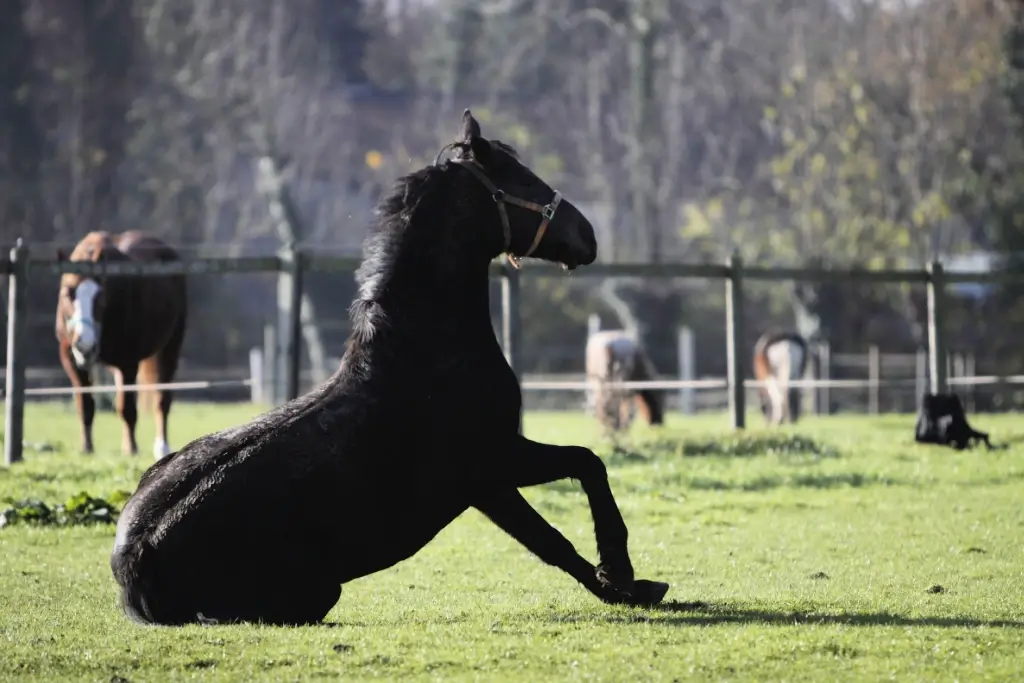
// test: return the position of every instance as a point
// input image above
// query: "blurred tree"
(86, 51)
(22, 142)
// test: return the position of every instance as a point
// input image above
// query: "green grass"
(810, 559)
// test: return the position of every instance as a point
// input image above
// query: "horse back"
(139, 246)
(762, 363)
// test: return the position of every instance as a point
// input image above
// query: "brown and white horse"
(779, 358)
(134, 325)
(617, 356)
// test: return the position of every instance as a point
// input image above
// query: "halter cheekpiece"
(547, 211)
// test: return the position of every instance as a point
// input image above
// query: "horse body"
(617, 356)
(133, 325)
(266, 521)
(780, 358)
(394, 469)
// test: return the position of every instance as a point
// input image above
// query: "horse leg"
(166, 362)
(528, 463)
(85, 404)
(776, 400)
(794, 405)
(153, 369)
(516, 517)
(126, 408)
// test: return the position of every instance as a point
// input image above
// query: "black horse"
(266, 521)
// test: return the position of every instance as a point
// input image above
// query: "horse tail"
(132, 571)
(143, 600)
(648, 401)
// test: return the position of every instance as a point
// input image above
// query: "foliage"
(762, 444)
(79, 510)
(880, 137)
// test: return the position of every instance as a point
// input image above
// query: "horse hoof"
(648, 592)
(160, 448)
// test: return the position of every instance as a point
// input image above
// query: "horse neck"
(445, 293)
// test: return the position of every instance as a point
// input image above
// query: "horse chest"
(475, 393)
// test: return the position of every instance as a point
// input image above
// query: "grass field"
(870, 559)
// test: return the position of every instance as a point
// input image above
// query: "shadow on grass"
(705, 614)
(766, 483)
(675, 613)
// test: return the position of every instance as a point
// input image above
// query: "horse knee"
(589, 465)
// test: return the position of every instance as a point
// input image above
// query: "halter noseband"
(547, 211)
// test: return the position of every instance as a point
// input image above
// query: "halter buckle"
(548, 212)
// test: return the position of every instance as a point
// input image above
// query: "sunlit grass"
(847, 554)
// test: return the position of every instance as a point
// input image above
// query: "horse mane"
(383, 246)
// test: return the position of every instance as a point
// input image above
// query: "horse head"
(81, 302)
(535, 219)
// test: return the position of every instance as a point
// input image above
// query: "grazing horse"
(780, 358)
(266, 521)
(134, 325)
(617, 356)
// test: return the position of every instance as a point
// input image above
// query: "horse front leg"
(127, 408)
(85, 405)
(528, 463)
(516, 517)
(158, 368)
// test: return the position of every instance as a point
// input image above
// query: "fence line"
(669, 384)
(132, 388)
(291, 263)
(561, 385)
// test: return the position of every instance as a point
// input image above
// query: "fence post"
(809, 395)
(936, 327)
(593, 327)
(685, 349)
(289, 316)
(256, 380)
(874, 377)
(271, 365)
(14, 396)
(970, 370)
(920, 376)
(734, 339)
(510, 324)
(825, 373)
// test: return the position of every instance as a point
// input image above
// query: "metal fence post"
(510, 324)
(289, 321)
(294, 265)
(14, 403)
(936, 327)
(734, 339)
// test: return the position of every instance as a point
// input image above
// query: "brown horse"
(616, 356)
(780, 358)
(134, 325)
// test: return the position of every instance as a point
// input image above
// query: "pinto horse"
(134, 325)
(616, 356)
(266, 521)
(779, 358)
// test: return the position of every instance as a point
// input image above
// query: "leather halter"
(547, 211)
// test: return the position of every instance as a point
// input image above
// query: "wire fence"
(291, 264)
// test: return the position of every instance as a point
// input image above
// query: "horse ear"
(482, 150)
(470, 127)
(479, 148)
